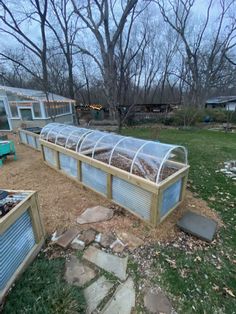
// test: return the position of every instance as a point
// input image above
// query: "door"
(4, 123)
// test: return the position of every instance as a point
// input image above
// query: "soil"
(62, 200)
(8, 206)
(121, 160)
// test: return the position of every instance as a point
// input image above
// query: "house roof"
(34, 94)
(221, 100)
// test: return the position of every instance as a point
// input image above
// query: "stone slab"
(130, 239)
(157, 302)
(66, 238)
(123, 300)
(96, 292)
(111, 263)
(95, 214)
(77, 244)
(88, 236)
(117, 246)
(107, 239)
(77, 273)
(197, 225)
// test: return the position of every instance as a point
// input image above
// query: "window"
(56, 108)
(26, 114)
(37, 110)
(13, 107)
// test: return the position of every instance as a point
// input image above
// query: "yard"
(197, 277)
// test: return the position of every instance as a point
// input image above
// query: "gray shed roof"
(34, 94)
(221, 100)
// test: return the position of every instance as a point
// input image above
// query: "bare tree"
(14, 26)
(64, 25)
(97, 15)
(203, 67)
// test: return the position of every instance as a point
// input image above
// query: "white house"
(224, 102)
(19, 106)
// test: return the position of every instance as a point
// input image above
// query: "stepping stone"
(197, 225)
(66, 238)
(96, 292)
(117, 246)
(157, 302)
(95, 214)
(112, 264)
(123, 300)
(77, 244)
(107, 239)
(77, 273)
(88, 236)
(131, 240)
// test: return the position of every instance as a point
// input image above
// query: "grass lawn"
(210, 283)
(204, 281)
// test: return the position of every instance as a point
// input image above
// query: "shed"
(222, 102)
(32, 107)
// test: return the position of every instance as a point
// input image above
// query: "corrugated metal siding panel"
(68, 164)
(171, 197)
(15, 243)
(94, 178)
(23, 137)
(133, 197)
(37, 143)
(49, 156)
(31, 141)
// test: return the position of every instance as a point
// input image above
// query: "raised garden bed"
(147, 178)
(30, 137)
(21, 235)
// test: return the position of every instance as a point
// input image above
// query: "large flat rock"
(130, 239)
(123, 299)
(157, 302)
(77, 273)
(95, 214)
(66, 238)
(96, 292)
(111, 263)
(197, 225)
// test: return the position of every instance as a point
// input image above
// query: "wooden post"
(154, 209)
(109, 186)
(183, 188)
(42, 152)
(56, 153)
(159, 203)
(79, 172)
(35, 219)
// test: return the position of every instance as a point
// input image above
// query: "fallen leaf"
(216, 288)
(171, 262)
(198, 258)
(230, 292)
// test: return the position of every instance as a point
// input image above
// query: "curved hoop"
(85, 136)
(45, 128)
(98, 141)
(66, 127)
(53, 129)
(121, 140)
(135, 156)
(165, 158)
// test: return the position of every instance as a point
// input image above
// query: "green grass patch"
(42, 290)
(202, 281)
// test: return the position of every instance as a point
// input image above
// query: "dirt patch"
(63, 200)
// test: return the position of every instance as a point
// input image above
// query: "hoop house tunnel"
(146, 177)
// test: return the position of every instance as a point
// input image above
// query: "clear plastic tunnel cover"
(151, 160)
